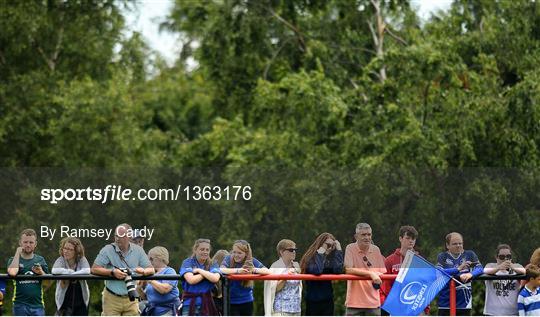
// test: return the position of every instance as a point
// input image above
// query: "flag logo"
(417, 284)
(411, 292)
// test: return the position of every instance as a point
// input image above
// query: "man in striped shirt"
(529, 297)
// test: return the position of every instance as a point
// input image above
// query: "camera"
(130, 285)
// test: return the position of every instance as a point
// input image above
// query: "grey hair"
(124, 225)
(362, 226)
(159, 253)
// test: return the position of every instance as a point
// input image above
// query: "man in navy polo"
(461, 263)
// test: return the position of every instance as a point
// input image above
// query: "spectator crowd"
(201, 277)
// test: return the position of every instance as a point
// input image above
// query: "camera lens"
(130, 285)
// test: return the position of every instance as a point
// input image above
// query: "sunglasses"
(503, 257)
(292, 249)
(367, 261)
(244, 242)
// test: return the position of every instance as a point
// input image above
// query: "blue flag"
(417, 284)
(3, 286)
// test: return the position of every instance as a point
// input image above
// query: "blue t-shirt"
(463, 292)
(528, 302)
(204, 286)
(157, 299)
(240, 294)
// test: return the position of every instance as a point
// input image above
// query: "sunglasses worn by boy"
(504, 257)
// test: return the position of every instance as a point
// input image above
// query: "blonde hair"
(208, 261)
(217, 260)
(159, 253)
(219, 256)
(532, 272)
(535, 257)
(244, 246)
(283, 245)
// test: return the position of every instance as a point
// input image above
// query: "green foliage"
(289, 98)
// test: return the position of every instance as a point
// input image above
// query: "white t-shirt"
(501, 295)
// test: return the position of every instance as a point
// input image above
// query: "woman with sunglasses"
(501, 295)
(200, 276)
(241, 261)
(162, 295)
(284, 297)
(72, 296)
(324, 256)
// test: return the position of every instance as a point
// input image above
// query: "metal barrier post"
(226, 296)
(452, 297)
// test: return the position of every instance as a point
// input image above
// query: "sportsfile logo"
(413, 294)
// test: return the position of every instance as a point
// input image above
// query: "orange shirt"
(362, 294)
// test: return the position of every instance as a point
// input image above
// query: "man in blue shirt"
(459, 263)
(112, 257)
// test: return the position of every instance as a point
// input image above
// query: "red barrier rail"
(304, 277)
(312, 277)
(239, 277)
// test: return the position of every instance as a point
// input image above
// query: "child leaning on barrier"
(241, 261)
(529, 297)
(200, 276)
(217, 293)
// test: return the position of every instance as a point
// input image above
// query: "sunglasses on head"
(367, 261)
(244, 242)
(503, 257)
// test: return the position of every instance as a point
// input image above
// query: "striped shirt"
(529, 302)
